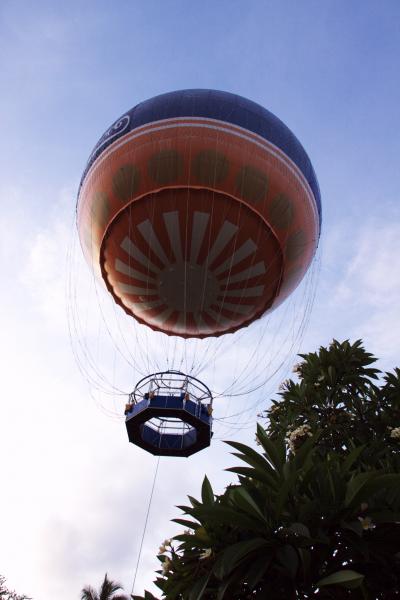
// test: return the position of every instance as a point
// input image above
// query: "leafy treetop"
(316, 511)
(107, 591)
(6, 594)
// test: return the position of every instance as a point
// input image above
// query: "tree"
(338, 395)
(6, 594)
(108, 591)
(316, 512)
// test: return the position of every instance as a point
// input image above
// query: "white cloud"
(74, 492)
(375, 267)
(359, 290)
(77, 492)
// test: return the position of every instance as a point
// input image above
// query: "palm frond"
(88, 593)
(108, 589)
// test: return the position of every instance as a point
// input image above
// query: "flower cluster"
(166, 565)
(206, 554)
(296, 437)
(164, 546)
(395, 433)
(366, 523)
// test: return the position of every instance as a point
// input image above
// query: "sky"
(74, 493)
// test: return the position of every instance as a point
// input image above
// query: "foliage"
(338, 394)
(315, 513)
(107, 591)
(6, 594)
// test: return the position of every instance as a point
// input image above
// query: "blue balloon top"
(213, 104)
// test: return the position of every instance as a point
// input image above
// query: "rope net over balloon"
(114, 351)
(199, 215)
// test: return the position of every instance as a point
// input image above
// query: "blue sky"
(328, 69)
(76, 492)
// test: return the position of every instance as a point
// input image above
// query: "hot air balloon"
(201, 212)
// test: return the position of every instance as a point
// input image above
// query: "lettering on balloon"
(113, 132)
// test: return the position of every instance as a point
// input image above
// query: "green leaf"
(199, 587)
(355, 485)
(253, 458)
(186, 509)
(257, 570)
(287, 487)
(226, 584)
(193, 501)
(281, 498)
(186, 523)
(228, 560)
(351, 458)
(384, 516)
(201, 535)
(354, 526)
(207, 494)
(387, 481)
(184, 537)
(228, 516)
(300, 529)
(243, 500)
(305, 451)
(289, 559)
(272, 448)
(147, 596)
(305, 559)
(346, 578)
(365, 485)
(257, 474)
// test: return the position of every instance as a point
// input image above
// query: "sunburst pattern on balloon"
(211, 281)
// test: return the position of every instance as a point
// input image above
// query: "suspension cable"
(145, 524)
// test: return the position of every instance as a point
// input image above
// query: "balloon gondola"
(200, 211)
(170, 414)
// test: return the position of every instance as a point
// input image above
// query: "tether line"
(145, 524)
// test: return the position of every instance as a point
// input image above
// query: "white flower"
(166, 566)
(366, 523)
(297, 368)
(395, 433)
(206, 554)
(298, 434)
(163, 548)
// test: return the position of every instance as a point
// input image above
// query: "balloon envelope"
(201, 210)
